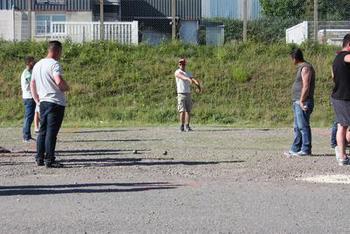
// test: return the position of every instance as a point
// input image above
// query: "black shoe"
(53, 165)
(182, 128)
(188, 128)
(40, 163)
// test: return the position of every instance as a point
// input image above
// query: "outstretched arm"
(181, 76)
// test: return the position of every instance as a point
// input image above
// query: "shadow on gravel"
(109, 140)
(105, 131)
(87, 152)
(231, 130)
(84, 188)
(115, 162)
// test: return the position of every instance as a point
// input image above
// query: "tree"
(283, 8)
(303, 9)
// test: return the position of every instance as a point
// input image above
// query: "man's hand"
(302, 105)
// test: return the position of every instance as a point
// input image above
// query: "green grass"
(246, 85)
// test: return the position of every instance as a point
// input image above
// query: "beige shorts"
(184, 102)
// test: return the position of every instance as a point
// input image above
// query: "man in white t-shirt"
(28, 101)
(184, 101)
(48, 87)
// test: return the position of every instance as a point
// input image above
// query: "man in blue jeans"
(303, 104)
(28, 101)
(48, 87)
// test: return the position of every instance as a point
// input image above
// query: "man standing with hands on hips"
(48, 87)
(303, 104)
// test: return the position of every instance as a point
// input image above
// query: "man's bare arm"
(34, 91)
(61, 83)
(347, 58)
(183, 77)
(305, 91)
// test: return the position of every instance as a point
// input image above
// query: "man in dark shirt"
(303, 104)
(341, 99)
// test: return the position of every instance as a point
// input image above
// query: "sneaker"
(188, 128)
(53, 165)
(303, 154)
(290, 153)
(343, 162)
(40, 163)
(29, 140)
(36, 130)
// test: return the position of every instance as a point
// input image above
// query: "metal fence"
(121, 32)
(328, 32)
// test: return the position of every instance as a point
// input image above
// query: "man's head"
(30, 62)
(54, 49)
(182, 63)
(346, 42)
(297, 56)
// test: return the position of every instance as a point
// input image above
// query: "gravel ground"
(158, 180)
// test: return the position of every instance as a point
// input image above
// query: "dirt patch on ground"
(206, 153)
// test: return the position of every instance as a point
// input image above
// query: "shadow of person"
(84, 188)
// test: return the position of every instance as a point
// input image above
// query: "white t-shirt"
(43, 73)
(183, 86)
(26, 77)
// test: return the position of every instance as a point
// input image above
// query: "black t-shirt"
(341, 71)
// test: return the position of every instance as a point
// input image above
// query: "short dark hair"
(55, 45)
(346, 40)
(297, 54)
(28, 59)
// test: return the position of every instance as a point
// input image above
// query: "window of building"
(43, 23)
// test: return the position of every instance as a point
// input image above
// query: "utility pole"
(30, 19)
(245, 20)
(102, 29)
(173, 19)
(315, 20)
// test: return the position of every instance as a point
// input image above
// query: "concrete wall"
(84, 16)
(6, 24)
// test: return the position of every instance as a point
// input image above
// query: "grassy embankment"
(246, 85)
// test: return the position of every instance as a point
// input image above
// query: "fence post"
(13, 23)
(315, 20)
(135, 32)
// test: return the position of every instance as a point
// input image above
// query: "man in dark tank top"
(303, 104)
(341, 99)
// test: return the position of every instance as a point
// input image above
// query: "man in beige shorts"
(184, 101)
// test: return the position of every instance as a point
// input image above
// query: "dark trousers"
(29, 111)
(51, 117)
(334, 135)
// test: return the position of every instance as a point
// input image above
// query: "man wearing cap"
(184, 101)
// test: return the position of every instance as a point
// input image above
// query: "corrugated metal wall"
(70, 5)
(186, 9)
(230, 9)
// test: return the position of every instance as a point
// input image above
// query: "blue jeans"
(302, 130)
(51, 117)
(334, 135)
(29, 111)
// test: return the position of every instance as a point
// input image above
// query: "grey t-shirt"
(43, 74)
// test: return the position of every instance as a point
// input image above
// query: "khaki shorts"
(184, 102)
